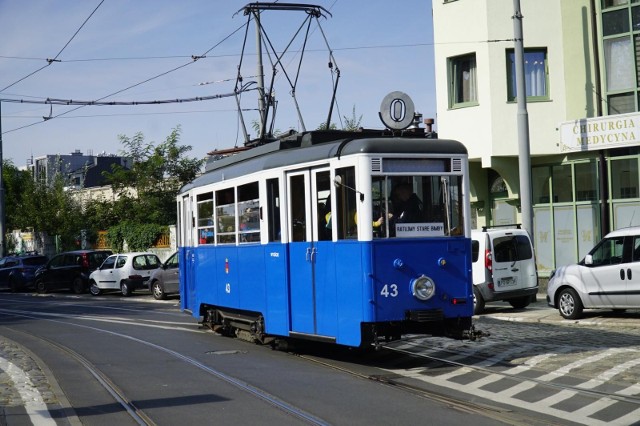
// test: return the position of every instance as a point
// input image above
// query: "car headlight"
(423, 287)
(553, 272)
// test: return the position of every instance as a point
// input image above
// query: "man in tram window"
(407, 207)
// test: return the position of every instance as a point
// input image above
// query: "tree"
(44, 207)
(352, 123)
(148, 189)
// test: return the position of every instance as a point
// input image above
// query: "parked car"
(17, 272)
(503, 266)
(69, 270)
(607, 277)
(166, 280)
(125, 272)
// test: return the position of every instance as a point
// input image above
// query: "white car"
(504, 267)
(608, 277)
(125, 272)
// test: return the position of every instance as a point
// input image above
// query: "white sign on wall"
(589, 134)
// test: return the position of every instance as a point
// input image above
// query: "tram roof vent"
(456, 164)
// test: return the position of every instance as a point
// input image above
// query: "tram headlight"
(423, 287)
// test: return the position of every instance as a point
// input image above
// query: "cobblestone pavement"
(28, 390)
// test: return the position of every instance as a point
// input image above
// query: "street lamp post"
(2, 224)
(524, 160)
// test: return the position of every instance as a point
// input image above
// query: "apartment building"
(582, 85)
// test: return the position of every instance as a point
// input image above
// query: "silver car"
(166, 280)
(607, 278)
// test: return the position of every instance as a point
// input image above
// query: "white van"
(504, 267)
(606, 278)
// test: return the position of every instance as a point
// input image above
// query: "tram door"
(186, 230)
(312, 294)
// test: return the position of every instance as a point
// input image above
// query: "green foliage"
(352, 123)
(45, 208)
(147, 191)
(323, 126)
(138, 236)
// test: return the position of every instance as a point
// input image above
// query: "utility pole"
(524, 159)
(2, 224)
(262, 106)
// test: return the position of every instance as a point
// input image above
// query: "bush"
(138, 236)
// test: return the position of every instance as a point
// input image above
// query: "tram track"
(138, 415)
(494, 412)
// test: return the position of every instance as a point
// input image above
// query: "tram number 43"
(389, 290)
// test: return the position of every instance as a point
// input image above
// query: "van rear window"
(475, 248)
(511, 248)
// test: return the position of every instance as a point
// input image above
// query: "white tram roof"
(319, 145)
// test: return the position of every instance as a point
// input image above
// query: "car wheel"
(41, 286)
(520, 302)
(158, 291)
(94, 289)
(478, 302)
(78, 285)
(569, 304)
(124, 289)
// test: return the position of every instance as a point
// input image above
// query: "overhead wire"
(87, 103)
(55, 58)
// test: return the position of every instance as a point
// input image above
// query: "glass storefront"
(566, 204)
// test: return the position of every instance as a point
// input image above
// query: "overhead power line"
(67, 102)
(55, 58)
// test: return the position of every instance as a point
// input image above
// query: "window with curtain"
(535, 74)
(619, 63)
(464, 83)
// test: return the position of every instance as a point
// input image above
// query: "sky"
(141, 51)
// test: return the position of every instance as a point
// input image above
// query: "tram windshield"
(417, 206)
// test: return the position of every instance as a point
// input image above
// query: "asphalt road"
(110, 360)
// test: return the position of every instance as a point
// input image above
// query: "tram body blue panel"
(301, 288)
(418, 257)
(352, 266)
(326, 287)
(277, 295)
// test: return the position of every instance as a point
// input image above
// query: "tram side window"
(205, 218)
(380, 207)
(249, 211)
(273, 200)
(346, 212)
(323, 207)
(298, 211)
(226, 216)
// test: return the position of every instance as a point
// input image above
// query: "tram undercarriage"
(249, 326)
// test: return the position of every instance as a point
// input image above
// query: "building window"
(613, 3)
(463, 81)
(621, 47)
(624, 178)
(535, 74)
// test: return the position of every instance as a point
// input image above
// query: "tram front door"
(312, 291)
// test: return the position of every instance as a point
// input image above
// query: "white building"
(582, 99)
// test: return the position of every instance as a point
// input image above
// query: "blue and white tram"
(310, 237)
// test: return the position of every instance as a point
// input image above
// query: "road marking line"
(594, 407)
(607, 375)
(33, 403)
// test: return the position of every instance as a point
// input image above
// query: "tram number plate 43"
(507, 282)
